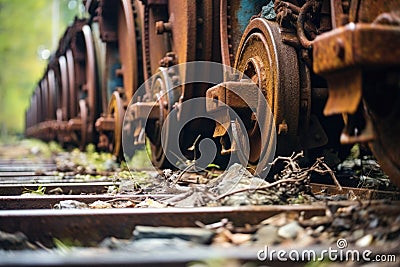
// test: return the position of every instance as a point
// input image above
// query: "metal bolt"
(168, 60)
(162, 27)
(282, 128)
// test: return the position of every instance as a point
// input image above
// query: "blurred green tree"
(29, 30)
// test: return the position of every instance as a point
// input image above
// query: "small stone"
(128, 186)
(365, 240)
(35, 150)
(167, 173)
(340, 224)
(357, 234)
(150, 203)
(347, 164)
(357, 162)
(123, 204)
(290, 230)
(114, 243)
(198, 235)
(267, 235)
(320, 229)
(100, 205)
(304, 240)
(14, 241)
(70, 204)
(239, 238)
(374, 223)
(112, 189)
(110, 165)
(280, 219)
(344, 234)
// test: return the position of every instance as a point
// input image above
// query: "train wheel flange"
(117, 110)
(83, 123)
(166, 95)
(273, 66)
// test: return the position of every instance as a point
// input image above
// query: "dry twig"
(292, 173)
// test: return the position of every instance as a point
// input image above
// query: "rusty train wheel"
(116, 109)
(273, 66)
(166, 95)
(122, 72)
(84, 116)
(52, 94)
(89, 88)
(72, 107)
(62, 62)
(44, 95)
(100, 53)
(39, 103)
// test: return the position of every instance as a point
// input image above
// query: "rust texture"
(292, 50)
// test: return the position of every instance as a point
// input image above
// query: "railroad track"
(43, 225)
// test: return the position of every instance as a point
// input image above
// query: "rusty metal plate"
(225, 93)
(356, 45)
(345, 90)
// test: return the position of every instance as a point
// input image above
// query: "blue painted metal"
(247, 9)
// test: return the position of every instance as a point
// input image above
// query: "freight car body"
(309, 59)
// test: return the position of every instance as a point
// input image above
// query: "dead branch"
(292, 173)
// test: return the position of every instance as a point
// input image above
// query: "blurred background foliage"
(29, 33)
